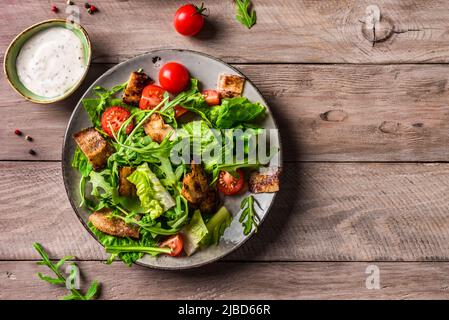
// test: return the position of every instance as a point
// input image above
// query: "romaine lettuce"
(152, 194)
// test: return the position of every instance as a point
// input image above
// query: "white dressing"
(51, 62)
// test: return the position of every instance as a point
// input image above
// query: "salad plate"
(206, 69)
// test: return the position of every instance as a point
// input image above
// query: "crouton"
(264, 181)
(156, 128)
(197, 190)
(126, 188)
(94, 146)
(133, 91)
(112, 226)
(230, 85)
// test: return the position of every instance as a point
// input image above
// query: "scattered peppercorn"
(28, 138)
(32, 152)
(54, 8)
(18, 132)
(87, 5)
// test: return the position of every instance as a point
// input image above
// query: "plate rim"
(64, 158)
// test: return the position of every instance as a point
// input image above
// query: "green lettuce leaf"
(236, 111)
(194, 233)
(216, 226)
(152, 194)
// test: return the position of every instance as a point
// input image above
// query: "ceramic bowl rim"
(66, 94)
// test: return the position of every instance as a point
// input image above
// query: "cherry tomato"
(212, 97)
(175, 243)
(189, 19)
(174, 77)
(152, 95)
(114, 117)
(180, 111)
(229, 185)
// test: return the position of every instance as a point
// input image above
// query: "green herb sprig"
(244, 15)
(61, 279)
(249, 217)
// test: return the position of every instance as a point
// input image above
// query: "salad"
(159, 160)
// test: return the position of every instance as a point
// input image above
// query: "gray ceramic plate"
(206, 69)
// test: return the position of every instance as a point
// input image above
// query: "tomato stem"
(202, 10)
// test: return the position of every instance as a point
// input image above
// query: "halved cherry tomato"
(212, 97)
(189, 19)
(180, 111)
(229, 185)
(175, 243)
(152, 95)
(114, 117)
(174, 77)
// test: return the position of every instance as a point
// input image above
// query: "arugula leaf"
(81, 162)
(244, 15)
(249, 217)
(61, 280)
(126, 249)
(95, 106)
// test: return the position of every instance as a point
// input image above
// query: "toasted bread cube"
(230, 85)
(126, 188)
(94, 146)
(112, 226)
(156, 128)
(264, 181)
(133, 91)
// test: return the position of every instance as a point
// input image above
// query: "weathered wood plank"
(315, 280)
(325, 113)
(324, 212)
(45, 123)
(298, 31)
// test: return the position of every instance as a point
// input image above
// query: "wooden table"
(365, 130)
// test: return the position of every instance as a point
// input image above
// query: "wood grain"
(288, 31)
(315, 280)
(325, 113)
(324, 212)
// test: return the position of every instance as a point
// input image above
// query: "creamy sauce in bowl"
(51, 62)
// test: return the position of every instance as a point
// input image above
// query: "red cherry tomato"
(175, 243)
(114, 117)
(180, 111)
(229, 185)
(189, 19)
(173, 77)
(152, 95)
(212, 97)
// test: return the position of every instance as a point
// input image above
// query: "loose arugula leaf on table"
(244, 15)
(61, 279)
(249, 217)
